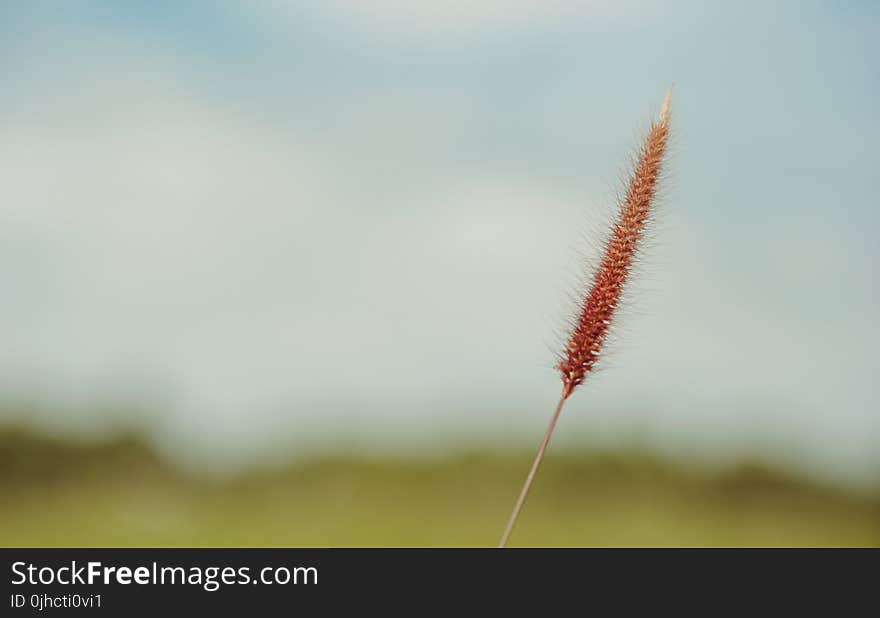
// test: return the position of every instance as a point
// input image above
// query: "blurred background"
(293, 273)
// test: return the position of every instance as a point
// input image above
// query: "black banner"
(121, 582)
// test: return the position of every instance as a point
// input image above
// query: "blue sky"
(272, 227)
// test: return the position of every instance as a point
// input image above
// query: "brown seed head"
(600, 303)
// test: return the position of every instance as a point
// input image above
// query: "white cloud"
(456, 22)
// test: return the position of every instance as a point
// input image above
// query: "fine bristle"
(601, 301)
(664, 111)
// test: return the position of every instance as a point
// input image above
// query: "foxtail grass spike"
(590, 330)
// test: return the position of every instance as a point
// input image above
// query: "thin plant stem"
(531, 477)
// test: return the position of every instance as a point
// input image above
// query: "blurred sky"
(271, 227)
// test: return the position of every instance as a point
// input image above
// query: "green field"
(55, 493)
